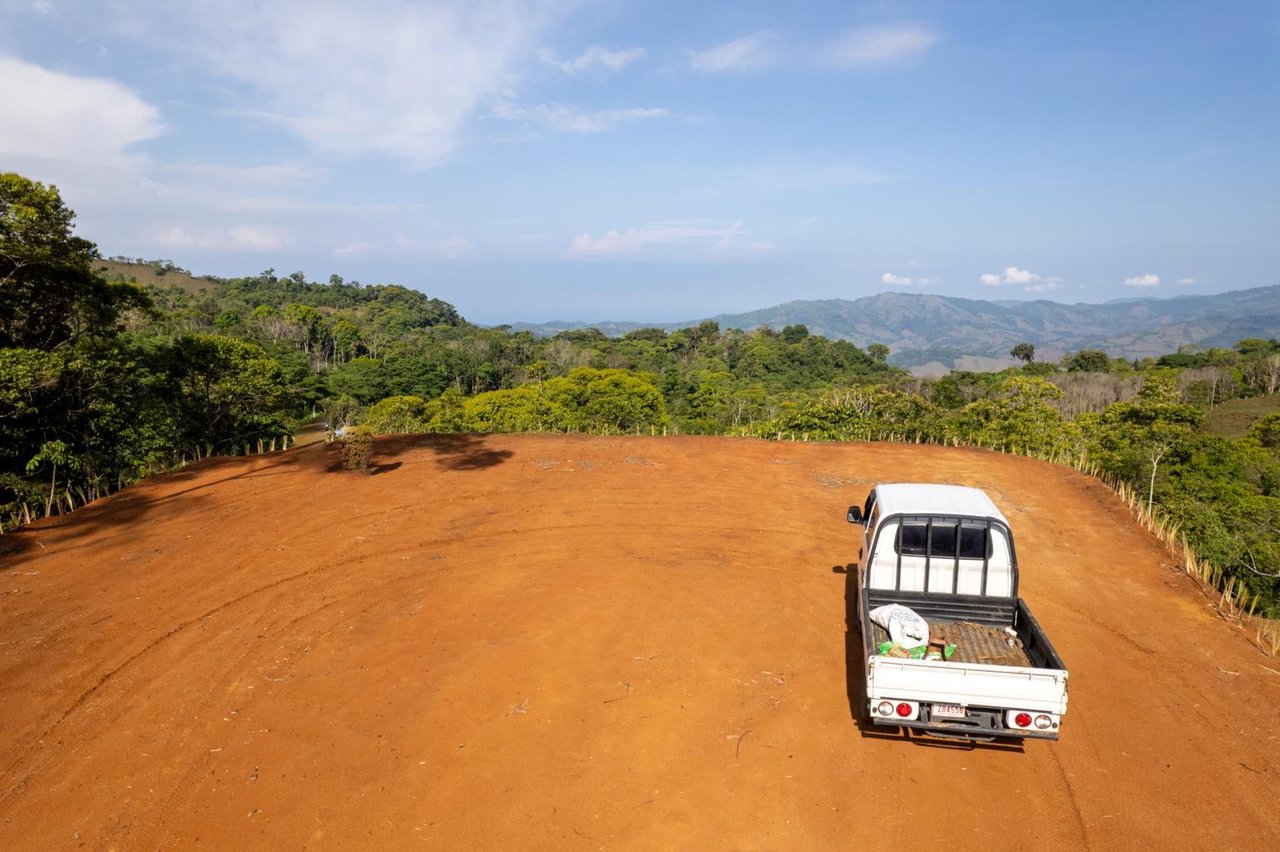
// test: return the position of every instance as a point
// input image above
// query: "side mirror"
(855, 515)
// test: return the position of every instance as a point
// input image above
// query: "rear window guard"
(950, 539)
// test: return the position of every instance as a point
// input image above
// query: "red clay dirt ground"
(569, 642)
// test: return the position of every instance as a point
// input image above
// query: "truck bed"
(982, 633)
(975, 643)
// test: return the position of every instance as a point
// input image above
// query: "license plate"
(953, 711)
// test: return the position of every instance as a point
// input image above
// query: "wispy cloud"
(383, 77)
(356, 249)
(249, 237)
(749, 53)
(894, 280)
(566, 118)
(1189, 282)
(593, 58)
(449, 248)
(633, 241)
(58, 116)
(883, 45)
(454, 247)
(1147, 280)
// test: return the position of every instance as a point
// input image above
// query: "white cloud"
(1011, 275)
(239, 237)
(1147, 280)
(566, 118)
(389, 77)
(878, 46)
(1188, 282)
(355, 249)
(51, 115)
(594, 57)
(893, 280)
(1043, 286)
(175, 236)
(1030, 282)
(634, 240)
(749, 53)
(450, 248)
(1014, 275)
(454, 247)
(256, 238)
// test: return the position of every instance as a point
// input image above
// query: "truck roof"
(916, 498)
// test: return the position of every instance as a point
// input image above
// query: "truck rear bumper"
(961, 730)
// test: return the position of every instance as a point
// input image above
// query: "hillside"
(921, 328)
(933, 334)
(543, 642)
(156, 273)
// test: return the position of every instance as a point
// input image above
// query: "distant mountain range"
(932, 334)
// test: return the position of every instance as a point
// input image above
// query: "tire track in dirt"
(146, 649)
(151, 647)
(582, 646)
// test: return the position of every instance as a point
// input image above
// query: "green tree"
(229, 392)
(1088, 361)
(1131, 439)
(794, 333)
(397, 415)
(1024, 352)
(53, 454)
(1019, 418)
(49, 295)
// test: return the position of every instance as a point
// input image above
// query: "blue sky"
(551, 159)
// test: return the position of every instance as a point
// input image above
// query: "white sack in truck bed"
(906, 628)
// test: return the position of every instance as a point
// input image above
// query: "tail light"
(890, 709)
(1026, 719)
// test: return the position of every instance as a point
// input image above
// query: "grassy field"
(145, 274)
(1233, 418)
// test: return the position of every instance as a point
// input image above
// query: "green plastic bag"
(916, 653)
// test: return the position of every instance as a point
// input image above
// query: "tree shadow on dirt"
(456, 450)
(855, 684)
(117, 510)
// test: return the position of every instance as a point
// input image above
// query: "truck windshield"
(939, 539)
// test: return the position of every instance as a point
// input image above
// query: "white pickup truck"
(946, 552)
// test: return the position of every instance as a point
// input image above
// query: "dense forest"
(104, 381)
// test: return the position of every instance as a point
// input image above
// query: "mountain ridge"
(925, 329)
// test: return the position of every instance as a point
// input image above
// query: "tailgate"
(967, 684)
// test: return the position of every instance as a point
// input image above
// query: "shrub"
(357, 448)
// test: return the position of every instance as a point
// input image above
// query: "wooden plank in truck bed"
(975, 643)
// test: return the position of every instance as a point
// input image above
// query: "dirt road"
(541, 642)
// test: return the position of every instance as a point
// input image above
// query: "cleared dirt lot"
(571, 642)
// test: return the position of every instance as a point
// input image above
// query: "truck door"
(871, 516)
